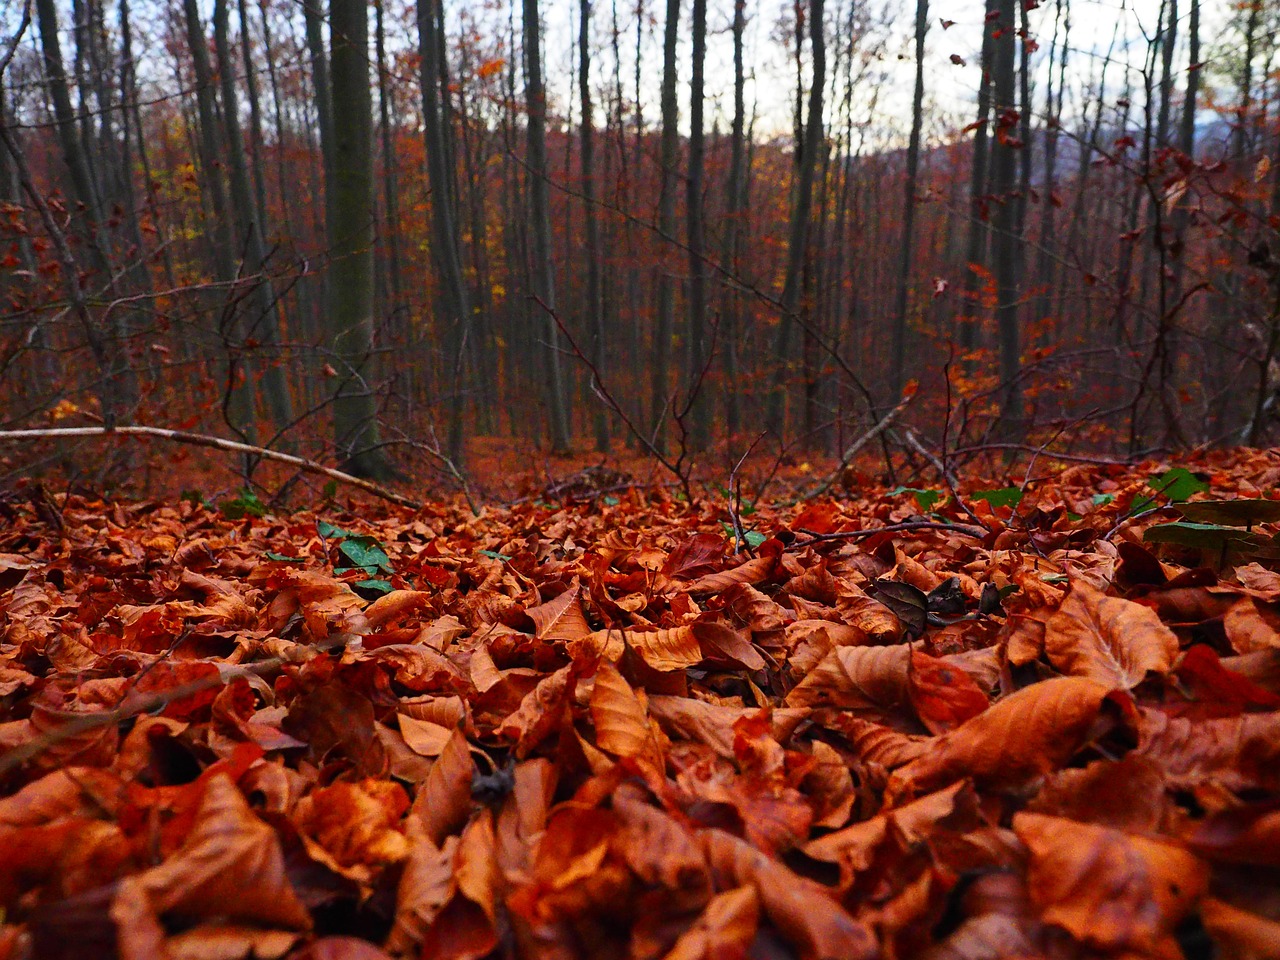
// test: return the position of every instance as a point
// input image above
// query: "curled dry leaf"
(1240, 753)
(713, 724)
(1252, 626)
(443, 803)
(541, 711)
(724, 931)
(560, 618)
(803, 911)
(869, 682)
(1017, 739)
(354, 828)
(231, 866)
(1107, 639)
(622, 726)
(666, 649)
(1109, 889)
(944, 696)
(1241, 935)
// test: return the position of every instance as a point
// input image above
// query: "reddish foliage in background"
(595, 730)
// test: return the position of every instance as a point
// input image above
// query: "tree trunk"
(798, 230)
(668, 158)
(454, 300)
(350, 221)
(699, 403)
(976, 244)
(265, 323)
(543, 274)
(1007, 223)
(730, 316)
(906, 253)
(595, 299)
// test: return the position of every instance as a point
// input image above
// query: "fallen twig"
(216, 443)
(963, 529)
(858, 444)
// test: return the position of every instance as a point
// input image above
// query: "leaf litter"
(596, 729)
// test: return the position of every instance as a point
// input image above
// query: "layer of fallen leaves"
(599, 731)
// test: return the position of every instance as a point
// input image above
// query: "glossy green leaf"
(926, 500)
(1236, 513)
(1004, 497)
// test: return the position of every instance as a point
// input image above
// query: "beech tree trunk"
(594, 311)
(454, 300)
(350, 215)
(700, 407)
(543, 273)
(899, 349)
(264, 325)
(667, 160)
(798, 231)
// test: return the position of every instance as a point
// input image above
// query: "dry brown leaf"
(666, 649)
(1239, 753)
(1238, 934)
(1252, 626)
(541, 711)
(231, 866)
(687, 719)
(621, 724)
(443, 802)
(804, 911)
(560, 618)
(1110, 889)
(1112, 641)
(1017, 739)
(725, 930)
(869, 682)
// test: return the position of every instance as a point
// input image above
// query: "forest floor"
(1017, 716)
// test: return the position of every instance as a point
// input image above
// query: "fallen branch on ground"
(215, 443)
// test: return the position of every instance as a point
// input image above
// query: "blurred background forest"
(370, 233)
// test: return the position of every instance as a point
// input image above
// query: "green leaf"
(1102, 499)
(1175, 485)
(246, 504)
(754, 538)
(1236, 513)
(372, 589)
(195, 498)
(281, 558)
(1055, 578)
(494, 555)
(611, 501)
(365, 552)
(329, 490)
(328, 531)
(1004, 497)
(1203, 536)
(925, 499)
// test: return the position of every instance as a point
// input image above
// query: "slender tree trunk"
(453, 291)
(351, 235)
(907, 254)
(390, 172)
(976, 244)
(730, 316)
(543, 272)
(700, 409)
(265, 324)
(595, 298)
(798, 230)
(1007, 225)
(667, 160)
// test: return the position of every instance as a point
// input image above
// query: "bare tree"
(543, 270)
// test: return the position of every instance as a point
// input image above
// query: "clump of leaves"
(359, 553)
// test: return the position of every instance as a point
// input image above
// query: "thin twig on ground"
(216, 443)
